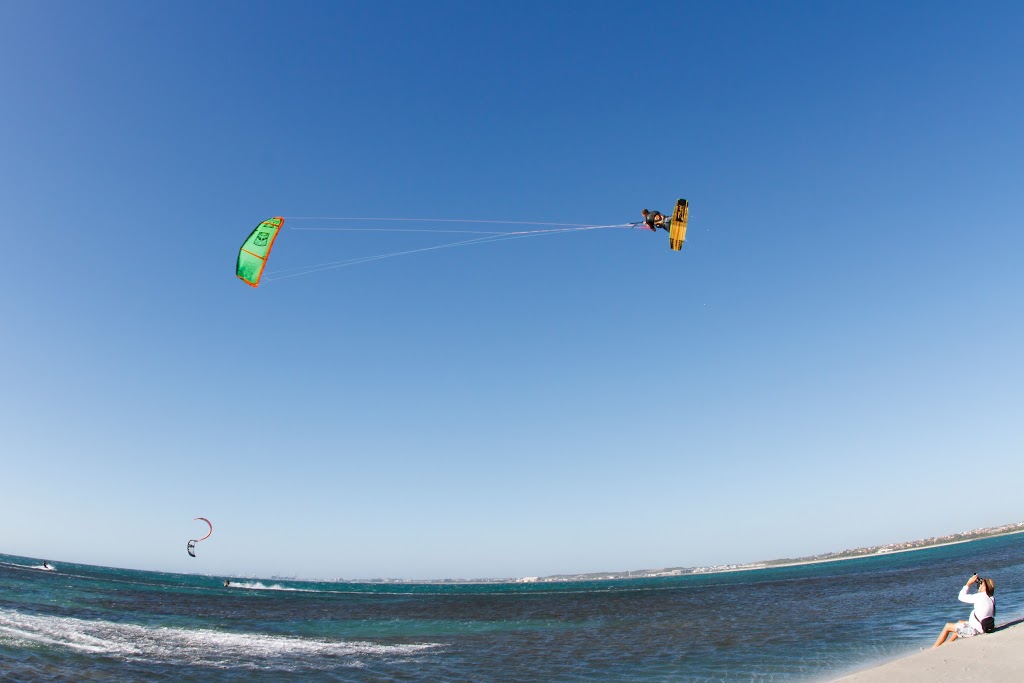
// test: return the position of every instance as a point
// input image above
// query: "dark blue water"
(805, 623)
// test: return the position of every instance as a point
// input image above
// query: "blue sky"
(833, 360)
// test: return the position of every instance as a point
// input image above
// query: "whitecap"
(200, 647)
(258, 586)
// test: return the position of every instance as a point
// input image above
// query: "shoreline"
(876, 554)
(989, 658)
(754, 566)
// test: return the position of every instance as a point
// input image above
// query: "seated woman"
(984, 607)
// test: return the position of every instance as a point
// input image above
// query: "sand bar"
(994, 658)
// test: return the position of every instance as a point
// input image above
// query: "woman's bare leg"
(948, 629)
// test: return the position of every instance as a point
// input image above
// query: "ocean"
(802, 623)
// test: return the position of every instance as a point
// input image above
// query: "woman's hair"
(990, 586)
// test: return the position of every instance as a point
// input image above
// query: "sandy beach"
(994, 658)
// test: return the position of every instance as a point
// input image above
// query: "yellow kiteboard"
(677, 228)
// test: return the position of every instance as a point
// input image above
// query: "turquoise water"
(806, 623)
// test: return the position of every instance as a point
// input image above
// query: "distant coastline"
(851, 554)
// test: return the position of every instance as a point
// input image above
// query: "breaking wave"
(202, 647)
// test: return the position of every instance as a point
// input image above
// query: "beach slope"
(994, 658)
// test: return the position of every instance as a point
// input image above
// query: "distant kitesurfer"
(654, 220)
(226, 583)
(45, 566)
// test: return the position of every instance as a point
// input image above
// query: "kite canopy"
(192, 544)
(252, 257)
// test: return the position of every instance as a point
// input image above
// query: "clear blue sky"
(834, 359)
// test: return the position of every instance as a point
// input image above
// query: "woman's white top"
(984, 606)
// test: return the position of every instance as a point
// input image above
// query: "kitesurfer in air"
(654, 220)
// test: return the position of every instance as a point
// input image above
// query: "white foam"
(202, 647)
(256, 585)
(13, 565)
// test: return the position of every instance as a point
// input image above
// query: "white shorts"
(965, 630)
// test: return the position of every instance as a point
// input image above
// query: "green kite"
(252, 257)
